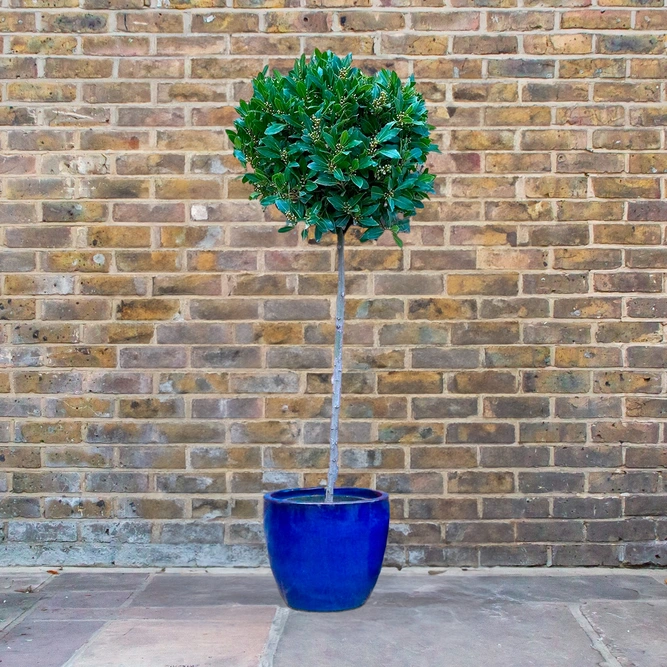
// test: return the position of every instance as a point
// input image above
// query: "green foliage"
(332, 147)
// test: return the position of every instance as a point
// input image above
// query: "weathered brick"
(556, 382)
(425, 483)
(588, 408)
(554, 432)
(632, 282)
(410, 382)
(586, 259)
(589, 19)
(46, 482)
(478, 235)
(514, 456)
(621, 382)
(588, 456)
(586, 357)
(623, 482)
(42, 531)
(522, 68)
(520, 555)
(150, 508)
(645, 457)
(513, 163)
(522, 211)
(619, 432)
(480, 482)
(441, 309)
(591, 210)
(442, 508)
(626, 188)
(568, 283)
(468, 140)
(585, 555)
(551, 482)
(516, 357)
(550, 531)
(645, 505)
(430, 457)
(490, 284)
(558, 44)
(515, 508)
(516, 407)
(491, 382)
(480, 433)
(479, 532)
(19, 507)
(588, 308)
(586, 508)
(646, 407)
(586, 68)
(476, 333)
(128, 532)
(552, 140)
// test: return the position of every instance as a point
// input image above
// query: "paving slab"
(634, 632)
(424, 591)
(40, 613)
(44, 643)
(455, 635)
(168, 590)
(18, 594)
(13, 605)
(84, 599)
(22, 583)
(205, 613)
(98, 581)
(235, 640)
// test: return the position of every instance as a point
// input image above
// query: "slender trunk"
(337, 377)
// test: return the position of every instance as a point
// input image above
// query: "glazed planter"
(326, 556)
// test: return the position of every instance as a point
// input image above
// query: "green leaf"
(387, 133)
(267, 152)
(330, 141)
(403, 203)
(359, 181)
(337, 202)
(282, 205)
(372, 234)
(275, 128)
(326, 179)
(391, 153)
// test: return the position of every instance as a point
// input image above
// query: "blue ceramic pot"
(326, 556)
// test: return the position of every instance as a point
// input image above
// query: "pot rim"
(285, 496)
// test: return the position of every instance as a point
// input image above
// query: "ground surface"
(453, 618)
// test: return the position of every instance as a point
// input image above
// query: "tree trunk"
(337, 377)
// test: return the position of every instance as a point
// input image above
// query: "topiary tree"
(333, 148)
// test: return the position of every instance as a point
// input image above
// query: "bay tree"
(333, 148)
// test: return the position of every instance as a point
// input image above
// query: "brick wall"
(166, 354)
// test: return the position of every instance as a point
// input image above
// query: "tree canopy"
(333, 147)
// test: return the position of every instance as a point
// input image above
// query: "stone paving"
(415, 618)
